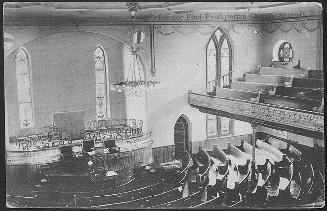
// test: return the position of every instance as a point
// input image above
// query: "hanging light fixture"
(135, 85)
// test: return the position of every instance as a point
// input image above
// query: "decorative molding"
(184, 30)
(33, 157)
(268, 113)
(51, 155)
(164, 16)
(261, 29)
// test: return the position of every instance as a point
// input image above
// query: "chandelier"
(135, 84)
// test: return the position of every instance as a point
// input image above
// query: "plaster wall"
(181, 66)
(306, 38)
(63, 77)
(63, 69)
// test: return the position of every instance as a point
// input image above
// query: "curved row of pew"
(220, 178)
(280, 171)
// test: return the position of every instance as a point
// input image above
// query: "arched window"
(101, 83)
(24, 88)
(219, 61)
(283, 51)
(219, 74)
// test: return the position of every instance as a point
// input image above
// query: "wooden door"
(181, 137)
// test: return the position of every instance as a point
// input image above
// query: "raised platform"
(57, 172)
(52, 154)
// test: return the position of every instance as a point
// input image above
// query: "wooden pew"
(304, 93)
(268, 79)
(319, 74)
(251, 86)
(308, 83)
(282, 71)
(236, 94)
(293, 102)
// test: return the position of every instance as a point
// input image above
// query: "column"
(7, 144)
(253, 170)
(254, 128)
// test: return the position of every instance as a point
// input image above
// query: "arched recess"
(282, 51)
(182, 136)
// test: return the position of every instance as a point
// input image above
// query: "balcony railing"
(51, 154)
(52, 137)
(308, 123)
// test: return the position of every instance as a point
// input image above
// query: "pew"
(236, 94)
(293, 102)
(268, 79)
(282, 71)
(301, 92)
(308, 83)
(251, 86)
(319, 74)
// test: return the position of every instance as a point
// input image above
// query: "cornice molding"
(107, 22)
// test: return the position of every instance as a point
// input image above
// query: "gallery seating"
(292, 102)
(300, 92)
(308, 83)
(268, 79)
(236, 94)
(282, 71)
(252, 86)
(319, 74)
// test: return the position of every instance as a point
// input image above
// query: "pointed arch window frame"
(105, 97)
(22, 92)
(218, 45)
(218, 42)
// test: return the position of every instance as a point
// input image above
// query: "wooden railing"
(223, 81)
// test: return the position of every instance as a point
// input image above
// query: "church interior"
(164, 104)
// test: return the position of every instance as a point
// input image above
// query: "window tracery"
(102, 83)
(219, 74)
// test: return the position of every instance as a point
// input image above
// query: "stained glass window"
(218, 65)
(24, 89)
(102, 83)
(224, 59)
(211, 66)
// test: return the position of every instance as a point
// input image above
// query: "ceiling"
(119, 10)
(116, 6)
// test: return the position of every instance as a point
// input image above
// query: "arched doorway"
(181, 137)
